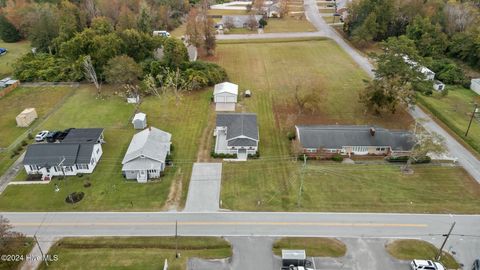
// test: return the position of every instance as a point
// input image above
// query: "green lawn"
(455, 110)
(15, 50)
(418, 249)
(109, 190)
(134, 252)
(44, 99)
(272, 70)
(314, 247)
(273, 185)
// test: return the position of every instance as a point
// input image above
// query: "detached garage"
(225, 96)
(25, 118)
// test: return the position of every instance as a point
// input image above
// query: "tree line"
(105, 41)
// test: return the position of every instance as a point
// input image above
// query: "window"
(82, 166)
(311, 150)
(33, 167)
(98, 150)
(92, 161)
(68, 168)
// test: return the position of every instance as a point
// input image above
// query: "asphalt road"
(464, 242)
(240, 224)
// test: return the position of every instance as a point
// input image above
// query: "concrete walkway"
(34, 259)
(204, 190)
(10, 174)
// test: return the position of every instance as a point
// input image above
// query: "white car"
(41, 136)
(161, 33)
(426, 265)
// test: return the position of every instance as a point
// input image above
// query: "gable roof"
(225, 87)
(239, 125)
(83, 135)
(51, 154)
(337, 136)
(151, 142)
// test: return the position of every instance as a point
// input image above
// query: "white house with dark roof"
(78, 152)
(353, 140)
(236, 133)
(146, 155)
(225, 96)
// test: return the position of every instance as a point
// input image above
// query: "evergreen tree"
(8, 32)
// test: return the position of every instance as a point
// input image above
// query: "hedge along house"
(236, 133)
(326, 140)
(79, 152)
(146, 155)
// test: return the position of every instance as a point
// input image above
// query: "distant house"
(475, 85)
(353, 140)
(139, 121)
(236, 133)
(146, 155)
(238, 21)
(438, 86)
(225, 96)
(429, 75)
(78, 152)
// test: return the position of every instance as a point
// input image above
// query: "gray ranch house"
(78, 152)
(236, 133)
(328, 140)
(146, 154)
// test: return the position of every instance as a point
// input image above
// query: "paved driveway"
(204, 190)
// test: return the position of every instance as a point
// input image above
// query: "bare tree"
(306, 101)
(252, 22)
(174, 82)
(460, 17)
(424, 143)
(258, 6)
(90, 72)
(194, 28)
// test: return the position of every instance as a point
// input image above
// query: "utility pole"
(301, 179)
(176, 240)
(439, 255)
(471, 118)
(41, 251)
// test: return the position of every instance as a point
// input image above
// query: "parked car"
(3, 51)
(63, 134)
(52, 136)
(161, 33)
(476, 265)
(41, 136)
(426, 265)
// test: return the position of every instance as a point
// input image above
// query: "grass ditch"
(313, 246)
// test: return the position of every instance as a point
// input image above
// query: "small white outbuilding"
(139, 121)
(475, 85)
(225, 96)
(438, 86)
(26, 117)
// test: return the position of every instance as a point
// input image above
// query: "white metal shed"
(139, 121)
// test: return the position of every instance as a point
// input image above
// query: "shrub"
(402, 159)
(422, 160)
(87, 184)
(46, 67)
(291, 135)
(74, 197)
(24, 143)
(254, 156)
(447, 71)
(30, 136)
(8, 32)
(19, 148)
(337, 158)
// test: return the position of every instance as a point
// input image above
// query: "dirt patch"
(175, 194)
(206, 140)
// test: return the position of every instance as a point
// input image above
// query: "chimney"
(372, 131)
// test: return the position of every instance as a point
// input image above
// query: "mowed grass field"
(455, 110)
(44, 99)
(272, 70)
(134, 252)
(109, 190)
(15, 50)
